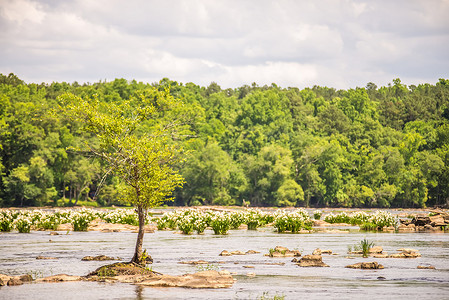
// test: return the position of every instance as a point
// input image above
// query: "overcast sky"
(341, 44)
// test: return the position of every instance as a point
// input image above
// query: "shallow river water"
(399, 280)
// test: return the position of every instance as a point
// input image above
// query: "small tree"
(136, 140)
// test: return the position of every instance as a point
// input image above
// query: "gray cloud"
(342, 44)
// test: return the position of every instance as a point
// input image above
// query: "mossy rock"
(121, 269)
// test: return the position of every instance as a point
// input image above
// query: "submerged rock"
(426, 267)
(45, 257)
(97, 258)
(205, 279)
(59, 278)
(366, 265)
(312, 261)
(194, 262)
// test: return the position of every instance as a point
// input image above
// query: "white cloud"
(341, 43)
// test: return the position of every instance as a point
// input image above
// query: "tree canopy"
(363, 147)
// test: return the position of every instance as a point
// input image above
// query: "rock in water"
(15, 281)
(366, 265)
(97, 258)
(312, 261)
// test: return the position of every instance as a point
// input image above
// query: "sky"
(337, 43)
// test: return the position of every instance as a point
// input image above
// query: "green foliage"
(364, 147)
(365, 245)
(293, 221)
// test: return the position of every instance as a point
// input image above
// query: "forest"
(253, 145)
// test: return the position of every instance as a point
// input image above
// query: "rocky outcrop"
(312, 261)
(45, 257)
(205, 279)
(280, 251)
(433, 222)
(59, 278)
(366, 265)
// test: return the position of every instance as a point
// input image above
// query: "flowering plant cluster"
(121, 216)
(292, 221)
(379, 218)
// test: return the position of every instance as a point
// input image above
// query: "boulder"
(252, 252)
(420, 221)
(375, 250)
(237, 252)
(59, 278)
(15, 281)
(405, 253)
(437, 220)
(312, 261)
(366, 265)
(205, 279)
(97, 258)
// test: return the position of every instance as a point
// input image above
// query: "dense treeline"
(269, 146)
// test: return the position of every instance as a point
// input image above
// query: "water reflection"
(139, 290)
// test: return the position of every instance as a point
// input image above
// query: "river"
(399, 280)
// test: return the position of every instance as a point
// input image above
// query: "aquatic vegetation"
(80, 219)
(317, 214)
(23, 223)
(6, 220)
(368, 226)
(253, 218)
(221, 223)
(121, 216)
(379, 218)
(292, 221)
(365, 245)
(383, 219)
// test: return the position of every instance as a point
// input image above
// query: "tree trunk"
(137, 258)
